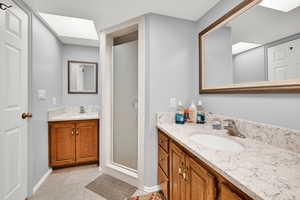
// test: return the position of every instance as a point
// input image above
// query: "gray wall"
(170, 61)
(249, 66)
(79, 53)
(276, 109)
(218, 57)
(48, 57)
(272, 25)
(46, 74)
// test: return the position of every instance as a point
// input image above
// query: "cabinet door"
(200, 185)
(163, 181)
(163, 160)
(177, 184)
(87, 141)
(228, 194)
(62, 144)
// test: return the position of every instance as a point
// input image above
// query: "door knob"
(26, 115)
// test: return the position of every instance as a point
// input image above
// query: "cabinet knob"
(180, 171)
(185, 174)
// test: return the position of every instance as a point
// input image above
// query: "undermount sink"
(216, 142)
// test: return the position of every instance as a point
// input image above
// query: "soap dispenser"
(193, 113)
(200, 113)
(179, 116)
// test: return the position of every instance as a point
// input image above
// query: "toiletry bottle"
(186, 115)
(193, 113)
(179, 116)
(200, 113)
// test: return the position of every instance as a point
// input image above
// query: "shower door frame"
(113, 162)
(107, 165)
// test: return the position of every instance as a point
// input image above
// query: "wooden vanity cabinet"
(227, 193)
(73, 142)
(177, 183)
(86, 141)
(61, 144)
(200, 184)
(163, 164)
(188, 178)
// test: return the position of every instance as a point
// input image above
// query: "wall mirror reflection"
(82, 77)
(253, 48)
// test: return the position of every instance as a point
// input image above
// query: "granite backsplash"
(280, 137)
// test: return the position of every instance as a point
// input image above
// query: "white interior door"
(13, 102)
(296, 59)
(284, 61)
(125, 105)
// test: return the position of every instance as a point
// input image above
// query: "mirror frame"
(284, 86)
(74, 61)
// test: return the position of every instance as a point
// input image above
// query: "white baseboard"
(154, 188)
(41, 181)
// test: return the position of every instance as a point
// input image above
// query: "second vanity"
(196, 162)
(73, 137)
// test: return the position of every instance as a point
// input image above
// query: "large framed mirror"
(82, 77)
(254, 48)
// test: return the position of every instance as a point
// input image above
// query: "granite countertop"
(73, 116)
(260, 170)
(69, 113)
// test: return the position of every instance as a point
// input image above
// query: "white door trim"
(106, 65)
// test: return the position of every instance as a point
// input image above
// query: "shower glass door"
(125, 102)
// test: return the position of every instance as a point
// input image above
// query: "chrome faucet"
(232, 128)
(82, 110)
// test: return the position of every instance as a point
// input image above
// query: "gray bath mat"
(111, 188)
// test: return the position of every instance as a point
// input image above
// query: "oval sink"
(216, 142)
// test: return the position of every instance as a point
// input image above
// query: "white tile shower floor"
(69, 184)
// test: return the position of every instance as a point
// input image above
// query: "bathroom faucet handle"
(232, 128)
(229, 120)
(230, 123)
(82, 110)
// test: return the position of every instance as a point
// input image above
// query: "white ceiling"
(106, 13)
